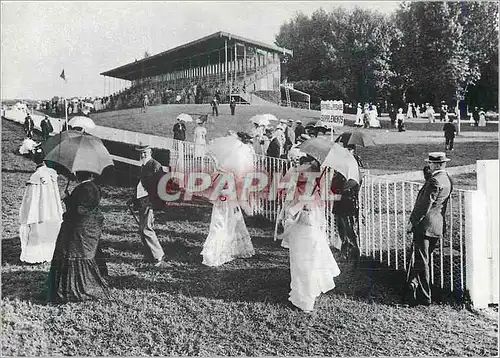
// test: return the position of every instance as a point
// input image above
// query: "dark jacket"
(349, 191)
(449, 130)
(428, 215)
(274, 148)
(29, 124)
(46, 128)
(150, 174)
(299, 130)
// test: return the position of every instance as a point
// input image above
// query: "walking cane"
(130, 208)
(410, 263)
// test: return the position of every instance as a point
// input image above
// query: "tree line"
(424, 52)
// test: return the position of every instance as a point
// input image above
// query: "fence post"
(477, 277)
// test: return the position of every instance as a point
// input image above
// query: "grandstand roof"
(175, 59)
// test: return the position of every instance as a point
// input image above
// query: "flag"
(63, 76)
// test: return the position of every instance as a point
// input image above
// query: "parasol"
(332, 155)
(82, 122)
(232, 155)
(355, 138)
(260, 120)
(185, 117)
(81, 152)
(87, 104)
(54, 141)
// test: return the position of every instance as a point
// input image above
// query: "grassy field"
(240, 308)
(395, 152)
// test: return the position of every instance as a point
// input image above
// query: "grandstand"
(220, 65)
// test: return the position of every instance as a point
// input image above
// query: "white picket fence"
(466, 257)
(386, 206)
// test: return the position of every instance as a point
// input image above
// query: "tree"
(347, 49)
(440, 47)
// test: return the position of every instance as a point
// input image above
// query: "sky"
(40, 39)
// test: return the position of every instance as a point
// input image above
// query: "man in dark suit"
(46, 128)
(29, 125)
(346, 211)
(147, 201)
(428, 224)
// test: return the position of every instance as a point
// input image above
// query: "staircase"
(287, 93)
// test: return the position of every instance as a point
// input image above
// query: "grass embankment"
(186, 308)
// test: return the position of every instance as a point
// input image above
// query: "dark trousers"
(401, 126)
(232, 110)
(152, 248)
(348, 228)
(215, 111)
(449, 142)
(420, 273)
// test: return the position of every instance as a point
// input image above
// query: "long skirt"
(312, 265)
(74, 273)
(38, 241)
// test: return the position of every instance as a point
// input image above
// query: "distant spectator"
(393, 115)
(475, 116)
(449, 134)
(430, 113)
(482, 118)
(215, 108)
(179, 130)
(46, 128)
(401, 120)
(299, 129)
(29, 125)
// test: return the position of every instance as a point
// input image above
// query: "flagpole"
(66, 110)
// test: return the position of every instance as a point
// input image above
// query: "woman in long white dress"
(228, 236)
(258, 138)
(374, 122)
(312, 265)
(40, 214)
(359, 116)
(482, 118)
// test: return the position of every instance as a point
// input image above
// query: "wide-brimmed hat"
(142, 148)
(298, 121)
(437, 157)
(284, 121)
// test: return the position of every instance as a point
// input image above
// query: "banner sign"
(332, 113)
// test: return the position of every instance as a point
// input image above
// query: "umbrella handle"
(67, 186)
(316, 185)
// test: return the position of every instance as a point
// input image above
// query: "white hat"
(284, 121)
(298, 121)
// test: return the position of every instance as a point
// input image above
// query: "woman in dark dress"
(77, 269)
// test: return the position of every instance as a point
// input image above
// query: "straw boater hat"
(298, 121)
(284, 121)
(437, 157)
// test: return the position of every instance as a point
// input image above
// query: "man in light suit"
(147, 201)
(428, 224)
